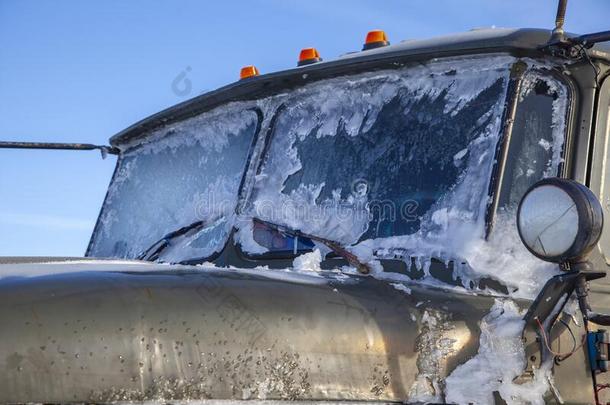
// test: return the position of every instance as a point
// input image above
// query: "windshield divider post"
(256, 156)
(251, 158)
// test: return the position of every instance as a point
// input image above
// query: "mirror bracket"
(548, 306)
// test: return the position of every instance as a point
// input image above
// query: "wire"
(560, 356)
(585, 55)
(602, 387)
(567, 325)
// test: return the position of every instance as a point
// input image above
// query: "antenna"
(558, 32)
(559, 44)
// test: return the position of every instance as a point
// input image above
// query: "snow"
(454, 228)
(308, 261)
(500, 359)
(354, 107)
(433, 345)
(209, 130)
(460, 154)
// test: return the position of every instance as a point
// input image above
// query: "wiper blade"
(336, 247)
(152, 253)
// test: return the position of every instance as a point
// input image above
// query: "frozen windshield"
(184, 173)
(537, 137)
(369, 156)
(398, 158)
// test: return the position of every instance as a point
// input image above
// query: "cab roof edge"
(522, 41)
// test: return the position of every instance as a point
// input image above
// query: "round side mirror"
(559, 220)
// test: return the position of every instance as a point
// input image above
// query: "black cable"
(584, 54)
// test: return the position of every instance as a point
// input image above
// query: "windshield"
(399, 158)
(182, 174)
(368, 158)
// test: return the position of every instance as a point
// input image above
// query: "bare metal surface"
(210, 334)
(44, 259)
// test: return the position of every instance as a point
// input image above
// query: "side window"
(536, 145)
(600, 175)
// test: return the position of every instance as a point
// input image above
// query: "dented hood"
(108, 331)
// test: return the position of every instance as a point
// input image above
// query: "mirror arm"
(582, 292)
(104, 149)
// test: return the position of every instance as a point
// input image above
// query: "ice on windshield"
(451, 233)
(186, 172)
(395, 163)
(368, 156)
(537, 137)
(400, 162)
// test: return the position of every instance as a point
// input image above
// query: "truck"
(419, 222)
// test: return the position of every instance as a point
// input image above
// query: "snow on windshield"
(452, 232)
(367, 156)
(396, 163)
(185, 172)
(399, 163)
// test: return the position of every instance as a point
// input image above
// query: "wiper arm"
(336, 247)
(152, 253)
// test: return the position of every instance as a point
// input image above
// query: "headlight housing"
(559, 220)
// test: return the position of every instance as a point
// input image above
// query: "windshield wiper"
(152, 253)
(339, 250)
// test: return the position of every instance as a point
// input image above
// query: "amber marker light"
(375, 39)
(309, 56)
(248, 71)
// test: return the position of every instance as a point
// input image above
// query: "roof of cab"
(523, 42)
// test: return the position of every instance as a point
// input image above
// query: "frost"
(182, 173)
(343, 212)
(500, 359)
(454, 229)
(546, 145)
(342, 112)
(460, 154)
(560, 103)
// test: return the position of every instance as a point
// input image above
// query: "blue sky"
(80, 71)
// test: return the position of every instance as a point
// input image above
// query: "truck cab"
(343, 230)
